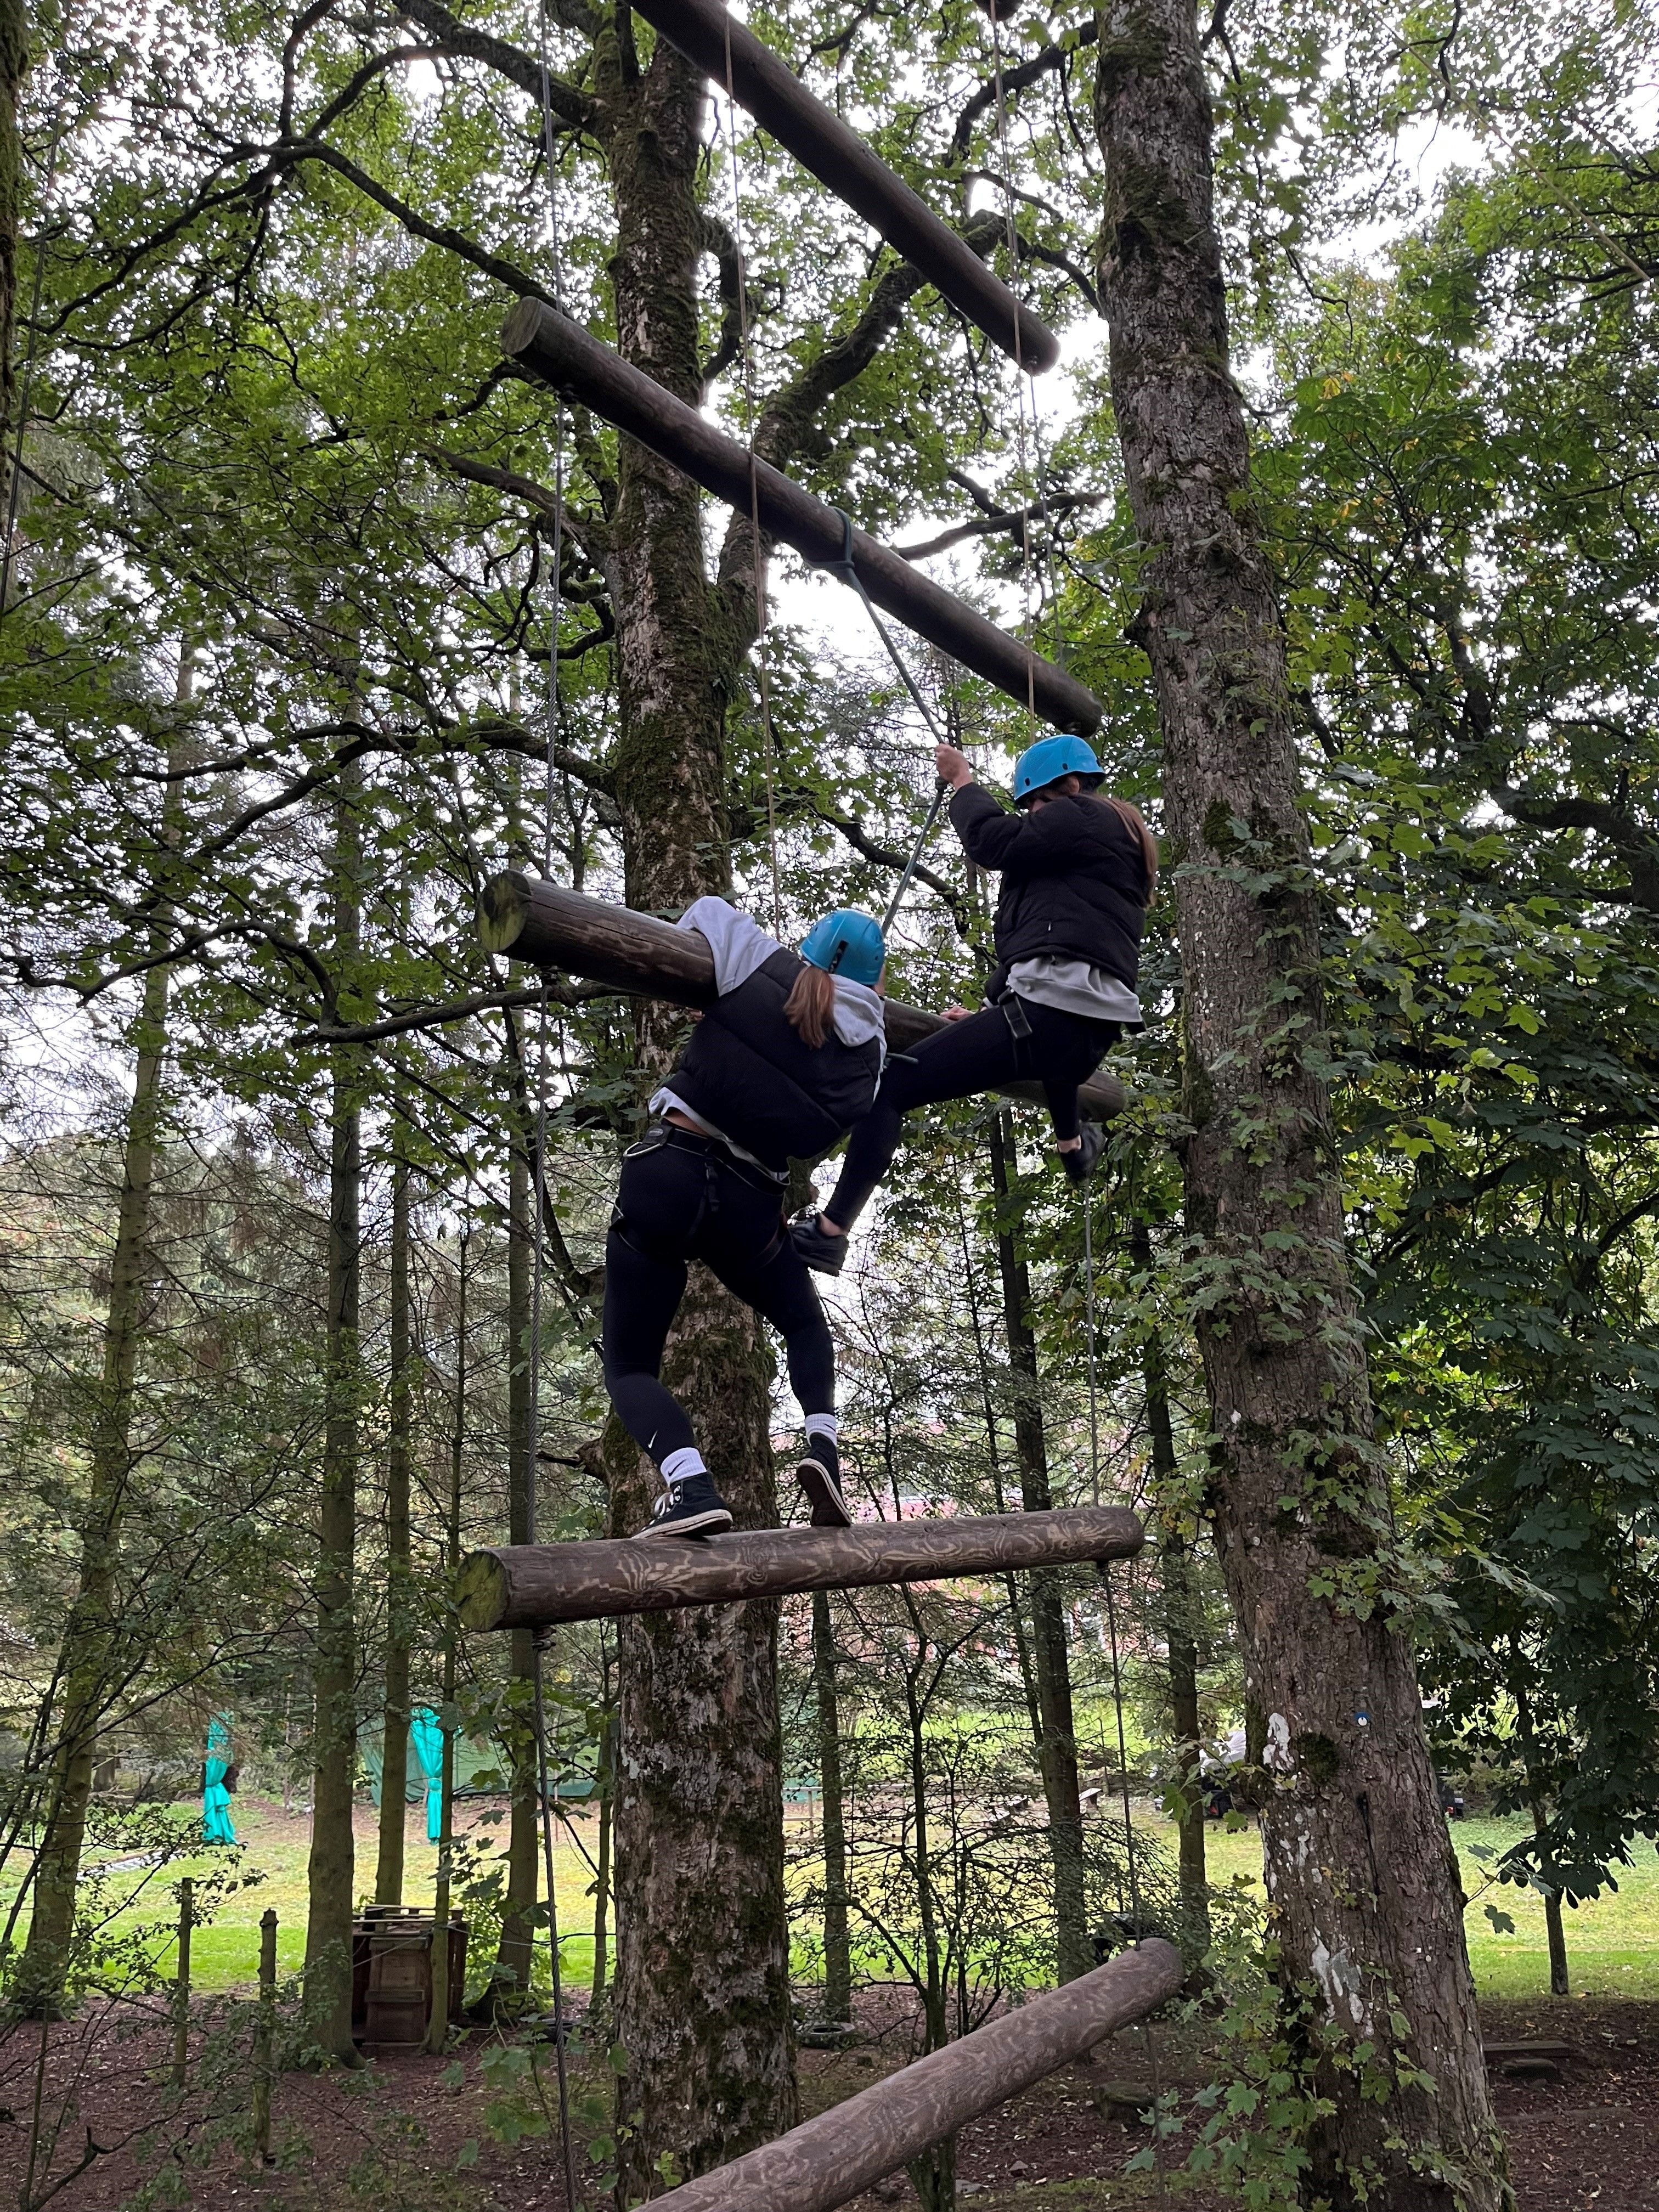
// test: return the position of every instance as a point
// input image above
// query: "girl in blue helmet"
(779, 1068)
(1079, 871)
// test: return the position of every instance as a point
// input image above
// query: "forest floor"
(438, 2136)
(411, 2135)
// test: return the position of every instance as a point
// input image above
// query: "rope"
(555, 611)
(1132, 1864)
(768, 738)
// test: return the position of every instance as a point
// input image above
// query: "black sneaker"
(827, 1253)
(1079, 1164)
(823, 1494)
(690, 1507)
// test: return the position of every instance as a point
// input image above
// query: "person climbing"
(783, 1063)
(1079, 871)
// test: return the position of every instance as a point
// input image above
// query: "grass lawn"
(275, 1847)
(1613, 1944)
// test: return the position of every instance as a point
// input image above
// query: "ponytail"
(1135, 822)
(810, 1007)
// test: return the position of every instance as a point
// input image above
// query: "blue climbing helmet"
(1049, 759)
(847, 943)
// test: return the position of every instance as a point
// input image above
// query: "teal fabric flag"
(426, 1738)
(215, 1798)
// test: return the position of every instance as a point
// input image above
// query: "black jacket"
(1073, 881)
(754, 1077)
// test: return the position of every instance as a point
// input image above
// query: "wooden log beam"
(530, 1585)
(539, 923)
(828, 2160)
(576, 364)
(838, 157)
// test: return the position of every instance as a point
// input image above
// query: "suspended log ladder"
(730, 53)
(835, 2157)
(579, 367)
(535, 922)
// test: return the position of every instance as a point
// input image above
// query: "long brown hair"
(810, 1007)
(1135, 822)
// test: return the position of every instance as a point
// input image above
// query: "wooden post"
(181, 1985)
(265, 2035)
(564, 355)
(537, 922)
(836, 2156)
(528, 1585)
(838, 157)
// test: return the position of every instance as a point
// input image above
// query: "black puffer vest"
(751, 1074)
(1073, 881)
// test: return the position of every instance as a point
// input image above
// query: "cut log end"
(481, 1591)
(503, 909)
(520, 327)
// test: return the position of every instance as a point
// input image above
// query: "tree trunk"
(400, 1588)
(1057, 1744)
(1555, 1931)
(837, 1950)
(702, 1971)
(515, 1955)
(1181, 1602)
(1365, 1899)
(437, 2033)
(331, 1868)
(14, 67)
(90, 1660)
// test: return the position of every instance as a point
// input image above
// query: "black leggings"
(964, 1057)
(678, 1202)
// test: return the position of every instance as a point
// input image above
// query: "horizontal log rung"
(550, 927)
(731, 54)
(534, 1585)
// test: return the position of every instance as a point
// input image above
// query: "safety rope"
(545, 1780)
(769, 739)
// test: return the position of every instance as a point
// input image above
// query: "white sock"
(823, 1424)
(687, 1461)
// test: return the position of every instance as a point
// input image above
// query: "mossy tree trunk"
(1363, 1886)
(701, 1989)
(91, 1660)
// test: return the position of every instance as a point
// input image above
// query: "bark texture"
(91, 1658)
(1363, 1886)
(701, 1989)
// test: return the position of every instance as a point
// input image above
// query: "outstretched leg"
(780, 1290)
(658, 1205)
(966, 1057)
